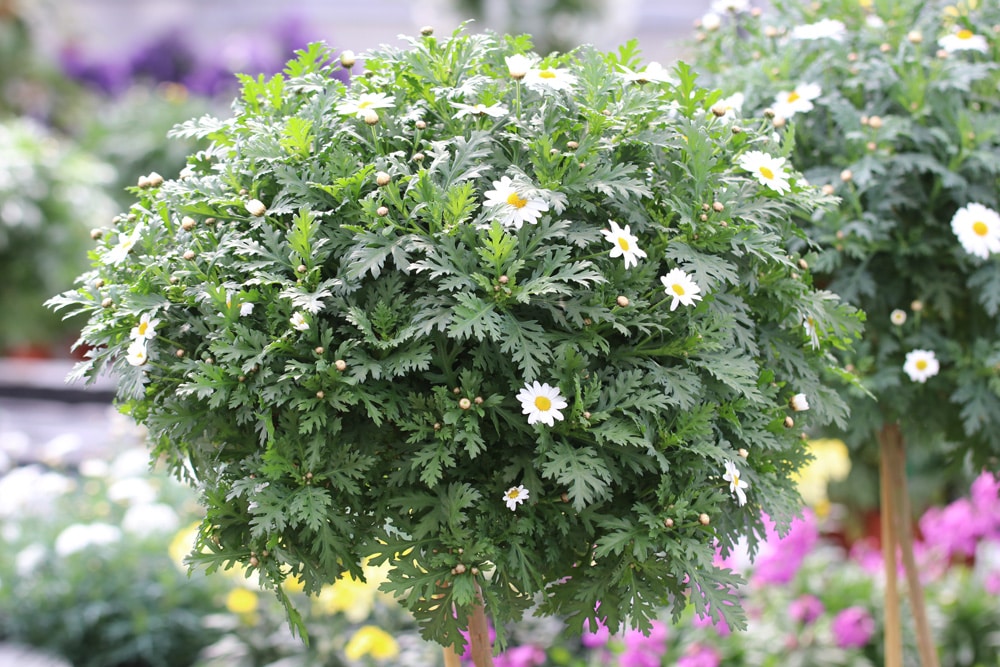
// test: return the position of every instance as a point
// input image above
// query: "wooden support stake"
(893, 621)
(925, 640)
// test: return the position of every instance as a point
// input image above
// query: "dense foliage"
(519, 324)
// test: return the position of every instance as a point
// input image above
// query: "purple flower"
(720, 626)
(985, 495)
(805, 609)
(699, 655)
(779, 558)
(521, 656)
(853, 627)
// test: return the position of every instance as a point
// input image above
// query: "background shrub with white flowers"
(893, 108)
(519, 324)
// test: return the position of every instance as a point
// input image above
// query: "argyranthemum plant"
(896, 112)
(516, 350)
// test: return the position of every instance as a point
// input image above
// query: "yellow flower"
(831, 463)
(373, 641)
(242, 601)
(182, 544)
(352, 597)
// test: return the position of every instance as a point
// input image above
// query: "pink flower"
(644, 650)
(806, 609)
(595, 638)
(521, 656)
(700, 655)
(779, 558)
(853, 627)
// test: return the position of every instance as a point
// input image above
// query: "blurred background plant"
(52, 193)
(892, 107)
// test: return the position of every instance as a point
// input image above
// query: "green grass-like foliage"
(389, 427)
(906, 131)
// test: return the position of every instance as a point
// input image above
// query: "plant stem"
(451, 659)
(893, 623)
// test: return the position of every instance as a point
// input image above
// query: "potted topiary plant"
(892, 106)
(525, 328)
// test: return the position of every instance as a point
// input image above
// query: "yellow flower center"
(678, 289)
(145, 325)
(766, 173)
(514, 200)
(513, 494)
(623, 243)
(921, 364)
(364, 104)
(965, 34)
(736, 479)
(546, 74)
(980, 228)
(792, 96)
(543, 403)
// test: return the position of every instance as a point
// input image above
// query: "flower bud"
(898, 317)
(743, 453)
(622, 301)
(420, 125)
(572, 145)
(96, 234)
(478, 400)
(382, 211)
(187, 223)
(179, 354)
(256, 208)
(789, 422)
(319, 349)
(703, 519)
(718, 207)
(916, 305)
(107, 302)
(371, 117)
(320, 394)
(427, 31)
(875, 122)
(846, 176)
(915, 36)
(347, 59)
(188, 254)
(382, 178)
(798, 402)
(464, 403)
(668, 523)
(340, 365)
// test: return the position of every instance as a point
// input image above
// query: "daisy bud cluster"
(475, 309)
(918, 219)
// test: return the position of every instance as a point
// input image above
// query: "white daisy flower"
(515, 495)
(768, 170)
(679, 285)
(366, 102)
(550, 77)
(298, 321)
(711, 21)
(126, 242)
(920, 365)
(824, 29)
(246, 308)
(737, 484)
(978, 229)
(723, 6)
(799, 402)
(964, 40)
(518, 65)
(625, 244)
(654, 72)
(493, 111)
(788, 103)
(514, 209)
(541, 403)
(809, 324)
(874, 22)
(145, 330)
(136, 353)
(898, 317)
